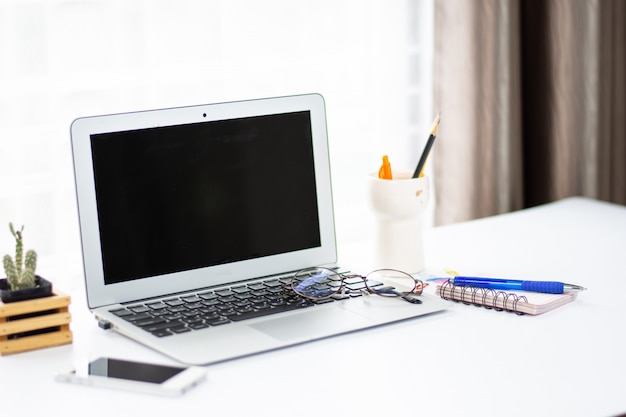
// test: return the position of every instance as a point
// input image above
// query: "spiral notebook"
(520, 302)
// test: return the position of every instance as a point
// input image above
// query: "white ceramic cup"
(399, 206)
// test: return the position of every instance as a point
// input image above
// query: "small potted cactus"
(21, 282)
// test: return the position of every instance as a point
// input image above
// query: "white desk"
(464, 361)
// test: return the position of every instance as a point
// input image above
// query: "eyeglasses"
(324, 283)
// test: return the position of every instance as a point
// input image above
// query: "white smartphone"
(136, 376)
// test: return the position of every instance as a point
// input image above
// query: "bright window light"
(63, 59)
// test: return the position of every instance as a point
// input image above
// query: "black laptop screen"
(183, 197)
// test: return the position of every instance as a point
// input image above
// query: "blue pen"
(551, 287)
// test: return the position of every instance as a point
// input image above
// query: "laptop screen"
(177, 199)
(182, 197)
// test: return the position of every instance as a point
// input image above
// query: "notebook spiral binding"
(482, 297)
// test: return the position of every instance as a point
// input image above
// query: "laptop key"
(156, 306)
(162, 312)
(121, 312)
(244, 296)
(192, 320)
(207, 295)
(277, 302)
(257, 286)
(149, 321)
(244, 308)
(139, 309)
(136, 317)
(169, 325)
(229, 312)
(181, 329)
(218, 321)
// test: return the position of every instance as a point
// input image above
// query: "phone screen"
(135, 371)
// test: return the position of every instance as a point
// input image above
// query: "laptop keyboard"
(189, 312)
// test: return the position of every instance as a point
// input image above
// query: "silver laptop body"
(183, 200)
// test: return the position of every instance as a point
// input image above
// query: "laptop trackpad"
(311, 324)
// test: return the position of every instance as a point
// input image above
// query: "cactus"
(20, 276)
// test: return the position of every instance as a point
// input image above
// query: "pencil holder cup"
(399, 206)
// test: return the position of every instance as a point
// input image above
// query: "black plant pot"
(43, 289)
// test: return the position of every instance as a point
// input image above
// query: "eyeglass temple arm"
(391, 290)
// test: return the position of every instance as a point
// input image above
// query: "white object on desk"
(399, 205)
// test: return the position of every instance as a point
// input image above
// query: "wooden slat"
(24, 344)
(34, 323)
(57, 300)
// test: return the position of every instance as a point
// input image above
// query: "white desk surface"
(464, 361)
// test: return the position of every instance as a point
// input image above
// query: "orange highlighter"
(385, 170)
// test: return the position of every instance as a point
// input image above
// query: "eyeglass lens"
(391, 283)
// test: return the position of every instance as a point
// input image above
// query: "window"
(62, 59)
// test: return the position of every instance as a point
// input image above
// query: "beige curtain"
(533, 104)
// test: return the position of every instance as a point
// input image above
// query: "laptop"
(181, 206)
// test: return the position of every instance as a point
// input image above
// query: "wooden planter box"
(35, 324)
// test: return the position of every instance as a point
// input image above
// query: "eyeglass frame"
(418, 288)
